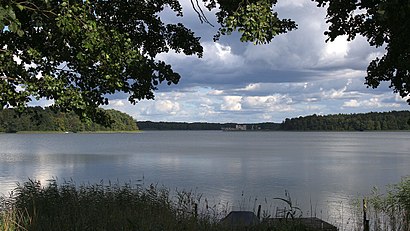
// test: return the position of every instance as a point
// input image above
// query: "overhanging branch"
(201, 15)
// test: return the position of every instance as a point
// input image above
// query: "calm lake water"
(323, 171)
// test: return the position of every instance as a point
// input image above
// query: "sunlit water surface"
(322, 171)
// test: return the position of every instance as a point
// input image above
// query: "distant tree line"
(149, 125)
(48, 119)
(373, 121)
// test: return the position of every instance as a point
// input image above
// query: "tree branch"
(34, 7)
(200, 13)
(7, 78)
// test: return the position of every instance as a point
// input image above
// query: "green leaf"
(13, 27)
(2, 13)
(20, 32)
(11, 13)
(20, 6)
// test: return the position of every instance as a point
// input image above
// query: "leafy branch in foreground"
(256, 20)
(77, 53)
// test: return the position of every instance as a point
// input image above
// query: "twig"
(36, 8)
(7, 78)
(200, 13)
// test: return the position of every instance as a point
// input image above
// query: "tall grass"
(67, 206)
(391, 210)
(111, 206)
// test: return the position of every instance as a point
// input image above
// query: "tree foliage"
(255, 20)
(383, 23)
(49, 119)
(78, 52)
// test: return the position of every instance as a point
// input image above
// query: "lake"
(322, 171)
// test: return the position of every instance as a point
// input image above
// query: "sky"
(297, 74)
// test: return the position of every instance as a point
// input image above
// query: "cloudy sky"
(296, 74)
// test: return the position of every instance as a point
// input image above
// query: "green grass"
(67, 206)
(391, 210)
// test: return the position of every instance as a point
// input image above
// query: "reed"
(390, 210)
(111, 206)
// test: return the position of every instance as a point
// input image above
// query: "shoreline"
(155, 130)
(68, 132)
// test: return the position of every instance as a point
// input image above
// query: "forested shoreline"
(150, 125)
(372, 121)
(47, 119)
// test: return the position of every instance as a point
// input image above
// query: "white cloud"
(231, 103)
(221, 56)
(334, 53)
(400, 99)
(351, 103)
(167, 106)
(344, 92)
(293, 3)
(216, 92)
(266, 101)
(268, 104)
(338, 48)
(335, 94)
(252, 87)
(207, 110)
(372, 103)
(117, 103)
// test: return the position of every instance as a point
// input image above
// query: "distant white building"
(240, 127)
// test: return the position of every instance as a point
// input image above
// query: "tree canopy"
(77, 52)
